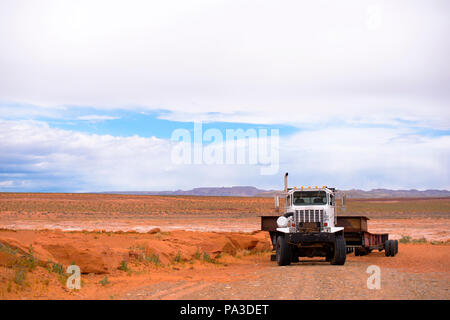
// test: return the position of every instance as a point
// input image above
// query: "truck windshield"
(310, 198)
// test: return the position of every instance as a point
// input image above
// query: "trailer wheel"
(387, 248)
(340, 251)
(393, 253)
(396, 247)
(283, 251)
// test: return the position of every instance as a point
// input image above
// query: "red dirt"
(169, 228)
(234, 275)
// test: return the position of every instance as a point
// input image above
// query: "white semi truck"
(310, 227)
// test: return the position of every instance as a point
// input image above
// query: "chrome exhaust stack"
(285, 182)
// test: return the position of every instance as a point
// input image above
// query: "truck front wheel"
(283, 251)
(340, 251)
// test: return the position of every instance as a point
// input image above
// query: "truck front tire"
(283, 251)
(340, 251)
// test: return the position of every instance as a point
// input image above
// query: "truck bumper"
(313, 237)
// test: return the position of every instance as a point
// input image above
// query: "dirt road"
(315, 279)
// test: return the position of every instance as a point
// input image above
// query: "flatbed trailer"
(357, 237)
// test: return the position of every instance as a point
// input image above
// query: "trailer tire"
(390, 249)
(283, 251)
(387, 248)
(393, 253)
(340, 250)
(395, 247)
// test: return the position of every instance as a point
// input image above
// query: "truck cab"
(308, 226)
(309, 208)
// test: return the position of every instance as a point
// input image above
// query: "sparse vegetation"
(104, 281)
(177, 258)
(405, 239)
(8, 249)
(19, 276)
(206, 257)
(421, 240)
(154, 259)
(27, 260)
(57, 268)
(408, 239)
(124, 266)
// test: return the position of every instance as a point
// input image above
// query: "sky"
(91, 92)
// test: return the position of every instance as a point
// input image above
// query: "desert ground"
(186, 247)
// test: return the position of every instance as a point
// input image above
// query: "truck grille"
(308, 216)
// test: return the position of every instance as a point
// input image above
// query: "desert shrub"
(405, 239)
(197, 255)
(408, 239)
(28, 260)
(177, 257)
(7, 249)
(207, 257)
(104, 281)
(421, 240)
(58, 268)
(154, 259)
(19, 276)
(124, 266)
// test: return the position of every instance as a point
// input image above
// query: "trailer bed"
(356, 233)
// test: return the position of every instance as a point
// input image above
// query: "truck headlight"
(282, 222)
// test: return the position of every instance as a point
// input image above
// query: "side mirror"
(277, 203)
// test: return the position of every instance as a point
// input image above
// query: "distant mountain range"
(247, 191)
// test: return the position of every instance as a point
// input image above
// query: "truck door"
(332, 212)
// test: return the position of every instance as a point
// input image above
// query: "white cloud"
(7, 183)
(251, 61)
(37, 157)
(369, 158)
